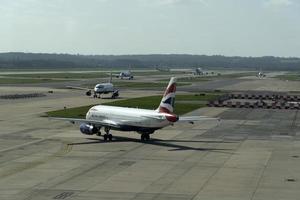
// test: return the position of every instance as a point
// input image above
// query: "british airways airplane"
(144, 122)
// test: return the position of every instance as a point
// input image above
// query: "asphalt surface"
(251, 154)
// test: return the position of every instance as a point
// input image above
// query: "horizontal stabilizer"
(77, 88)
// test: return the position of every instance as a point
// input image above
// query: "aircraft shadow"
(158, 142)
(111, 98)
(194, 141)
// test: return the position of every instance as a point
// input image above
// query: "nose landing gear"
(145, 136)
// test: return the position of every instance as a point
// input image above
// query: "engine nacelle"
(88, 129)
(88, 93)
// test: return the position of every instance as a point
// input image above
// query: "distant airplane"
(199, 71)
(260, 74)
(143, 121)
(125, 75)
(104, 88)
(99, 89)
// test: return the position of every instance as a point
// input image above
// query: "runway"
(251, 154)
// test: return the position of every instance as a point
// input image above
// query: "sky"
(210, 27)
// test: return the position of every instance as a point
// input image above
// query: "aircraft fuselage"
(131, 119)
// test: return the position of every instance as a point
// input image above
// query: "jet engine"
(88, 93)
(88, 129)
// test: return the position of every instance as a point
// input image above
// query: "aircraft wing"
(192, 119)
(109, 123)
(77, 88)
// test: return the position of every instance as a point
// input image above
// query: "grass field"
(61, 75)
(139, 85)
(144, 85)
(84, 75)
(27, 80)
(149, 102)
(194, 79)
(238, 75)
(148, 73)
(290, 77)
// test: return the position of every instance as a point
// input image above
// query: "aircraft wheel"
(110, 137)
(105, 137)
(147, 136)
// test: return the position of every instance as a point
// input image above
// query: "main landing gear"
(97, 96)
(107, 135)
(145, 136)
(98, 133)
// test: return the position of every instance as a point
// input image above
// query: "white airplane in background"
(199, 71)
(125, 75)
(261, 74)
(99, 89)
(143, 121)
(104, 88)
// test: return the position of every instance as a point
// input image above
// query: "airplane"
(143, 121)
(199, 71)
(261, 74)
(99, 89)
(125, 75)
(104, 88)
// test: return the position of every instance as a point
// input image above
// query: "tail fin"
(167, 103)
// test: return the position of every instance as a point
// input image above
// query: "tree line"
(42, 60)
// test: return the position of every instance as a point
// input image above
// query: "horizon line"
(149, 54)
